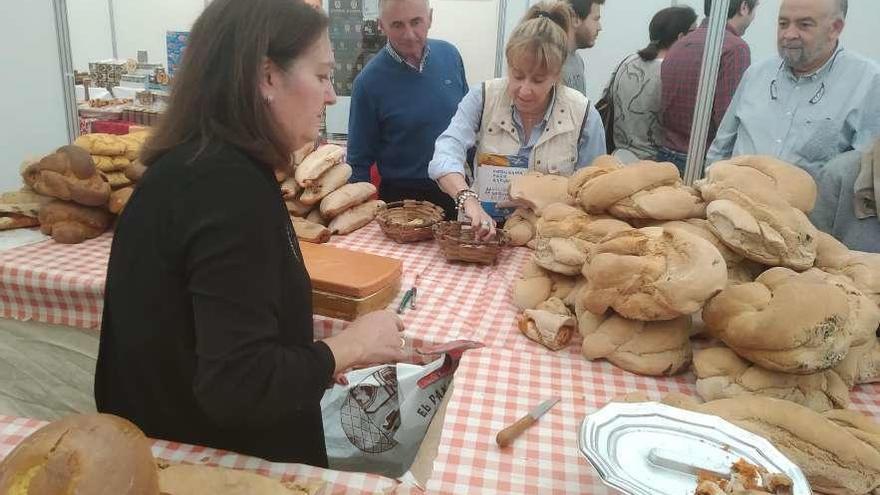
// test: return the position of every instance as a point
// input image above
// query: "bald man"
(401, 102)
(812, 103)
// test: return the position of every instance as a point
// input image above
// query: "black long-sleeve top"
(207, 330)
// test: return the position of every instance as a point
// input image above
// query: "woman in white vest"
(527, 121)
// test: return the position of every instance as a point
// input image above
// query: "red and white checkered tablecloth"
(493, 386)
(64, 284)
(13, 430)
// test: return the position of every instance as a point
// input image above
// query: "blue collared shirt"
(806, 120)
(450, 150)
(396, 56)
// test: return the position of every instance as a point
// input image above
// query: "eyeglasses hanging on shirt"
(820, 92)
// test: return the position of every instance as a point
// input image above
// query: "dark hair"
(216, 93)
(582, 8)
(734, 7)
(665, 28)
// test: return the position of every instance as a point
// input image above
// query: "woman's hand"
(371, 339)
(482, 223)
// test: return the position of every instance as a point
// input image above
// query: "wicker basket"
(458, 244)
(409, 220)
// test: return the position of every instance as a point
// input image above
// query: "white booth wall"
(32, 112)
(33, 104)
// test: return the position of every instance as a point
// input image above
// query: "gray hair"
(382, 4)
(842, 8)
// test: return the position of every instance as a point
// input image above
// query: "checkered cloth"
(13, 430)
(493, 386)
(62, 284)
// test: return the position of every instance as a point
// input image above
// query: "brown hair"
(216, 94)
(542, 35)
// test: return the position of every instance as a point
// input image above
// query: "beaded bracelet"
(463, 196)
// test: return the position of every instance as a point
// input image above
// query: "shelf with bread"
(74, 193)
(728, 279)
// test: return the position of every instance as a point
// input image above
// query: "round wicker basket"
(458, 243)
(409, 220)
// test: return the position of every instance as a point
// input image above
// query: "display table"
(13, 430)
(493, 387)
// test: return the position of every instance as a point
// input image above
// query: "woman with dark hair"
(207, 331)
(635, 85)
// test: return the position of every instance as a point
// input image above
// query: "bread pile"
(113, 155)
(319, 198)
(102, 453)
(73, 193)
(838, 451)
(636, 257)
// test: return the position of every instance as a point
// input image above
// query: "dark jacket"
(207, 329)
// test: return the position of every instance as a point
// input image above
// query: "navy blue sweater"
(397, 113)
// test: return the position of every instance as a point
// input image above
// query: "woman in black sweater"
(207, 330)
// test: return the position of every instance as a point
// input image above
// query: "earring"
(269, 99)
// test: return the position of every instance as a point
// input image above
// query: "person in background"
(681, 75)
(207, 336)
(401, 102)
(809, 105)
(635, 87)
(527, 120)
(585, 29)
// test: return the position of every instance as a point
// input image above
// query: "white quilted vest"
(556, 152)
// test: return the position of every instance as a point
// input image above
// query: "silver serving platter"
(648, 448)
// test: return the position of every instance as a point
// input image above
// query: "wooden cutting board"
(347, 284)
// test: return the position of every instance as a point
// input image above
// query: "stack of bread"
(73, 193)
(639, 263)
(319, 198)
(101, 453)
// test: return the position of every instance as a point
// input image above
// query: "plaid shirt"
(396, 56)
(680, 77)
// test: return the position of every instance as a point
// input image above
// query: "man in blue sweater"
(401, 102)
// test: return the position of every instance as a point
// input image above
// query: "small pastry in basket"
(68, 174)
(70, 223)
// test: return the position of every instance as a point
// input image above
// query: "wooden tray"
(347, 284)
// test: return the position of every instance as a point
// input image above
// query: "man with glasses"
(810, 105)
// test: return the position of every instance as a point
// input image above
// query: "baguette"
(346, 197)
(318, 162)
(355, 218)
(331, 180)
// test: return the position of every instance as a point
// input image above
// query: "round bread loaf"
(95, 454)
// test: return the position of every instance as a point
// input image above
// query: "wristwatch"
(462, 196)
